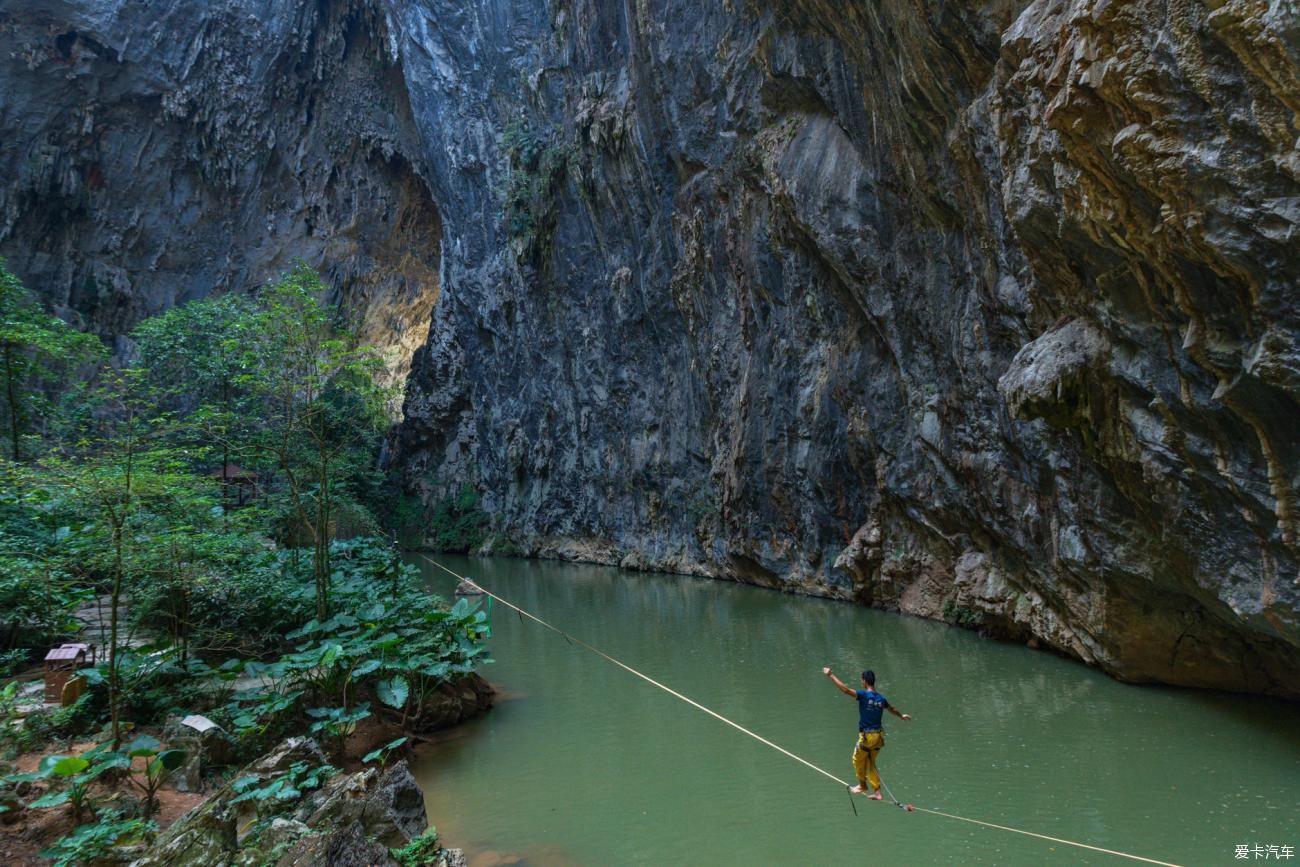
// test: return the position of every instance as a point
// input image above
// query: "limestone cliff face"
(160, 151)
(983, 311)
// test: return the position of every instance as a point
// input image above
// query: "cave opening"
(64, 44)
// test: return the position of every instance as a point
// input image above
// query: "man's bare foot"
(858, 790)
(875, 796)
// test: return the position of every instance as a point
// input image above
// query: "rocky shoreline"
(294, 806)
(354, 820)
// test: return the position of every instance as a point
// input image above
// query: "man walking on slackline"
(871, 737)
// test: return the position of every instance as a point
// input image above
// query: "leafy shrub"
(334, 724)
(217, 590)
(420, 852)
(502, 545)
(12, 661)
(13, 734)
(36, 605)
(153, 683)
(37, 594)
(242, 607)
(71, 777)
(521, 145)
(149, 775)
(383, 753)
(87, 844)
(406, 519)
(457, 523)
(529, 193)
(259, 718)
(390, 644)
(269, 795)
(63, 723)
(398, 650)
(960, 615)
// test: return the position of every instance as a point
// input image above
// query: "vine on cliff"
(538, 168)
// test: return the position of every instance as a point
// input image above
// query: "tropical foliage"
(194, 499)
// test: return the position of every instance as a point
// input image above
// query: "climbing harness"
(825, 773)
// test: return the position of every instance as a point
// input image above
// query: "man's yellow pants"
(864, 758)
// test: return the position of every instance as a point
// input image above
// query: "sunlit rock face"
(981, 311)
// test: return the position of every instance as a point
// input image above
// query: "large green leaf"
(104, 763)
(171, 759)
(394, 691)
(438, 670)
(307, 628)
(53, 799)
(366, 667)
(143, 745)
(329, 655)
(391, 745)
(64, 766)
(46, 766)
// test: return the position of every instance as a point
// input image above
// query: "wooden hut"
(238, 485)
(61, 665)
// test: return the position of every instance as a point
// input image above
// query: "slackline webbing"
(777, 747)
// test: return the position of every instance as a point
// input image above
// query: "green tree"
(35, 348)
(192, 353)
(121, 472)
(190, 539)
(194, 357)
(38, 590)
(320, 411)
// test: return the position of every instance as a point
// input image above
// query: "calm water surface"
(583, 763)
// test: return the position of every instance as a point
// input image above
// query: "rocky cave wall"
(159, 152)
(977, 311)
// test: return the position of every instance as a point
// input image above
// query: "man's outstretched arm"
(838, 683)
(895, 711)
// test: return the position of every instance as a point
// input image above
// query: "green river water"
(583, 763)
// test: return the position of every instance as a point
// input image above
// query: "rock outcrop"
(351, 821)
(981, 311)
(451, 703)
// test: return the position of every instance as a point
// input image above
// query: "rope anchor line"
(825, 773)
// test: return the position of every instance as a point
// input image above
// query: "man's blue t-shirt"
(871, 705)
